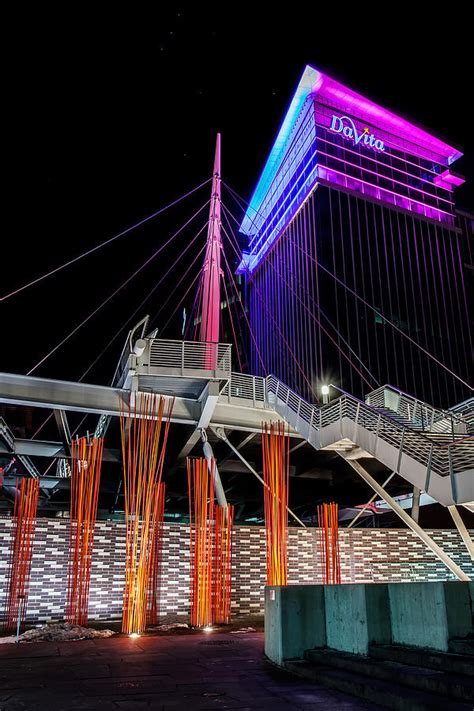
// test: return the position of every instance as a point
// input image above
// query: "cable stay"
(372, 308)
(127, 231)
(119, 288)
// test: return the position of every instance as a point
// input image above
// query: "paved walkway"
(192, 671)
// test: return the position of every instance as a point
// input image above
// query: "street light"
(325, 394)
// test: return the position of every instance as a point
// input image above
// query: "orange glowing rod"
(328, 525)
(210, 538)
(24, 524)
(222, 567)
(276, 467)
(155, 555)
(86, 462)
(144, 442)
(201, 523)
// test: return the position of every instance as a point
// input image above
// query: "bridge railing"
(246, 387)
(420, 414)
(304, 417)
(189, 357)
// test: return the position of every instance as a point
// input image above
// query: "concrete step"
(454, 686)
(386, 694)
(464, 647)
(456, 663)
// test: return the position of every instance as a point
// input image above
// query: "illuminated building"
(354, 255)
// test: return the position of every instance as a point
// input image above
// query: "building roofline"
(316, 83)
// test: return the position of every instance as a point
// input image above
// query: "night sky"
(109, 118)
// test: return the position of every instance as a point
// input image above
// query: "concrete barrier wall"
(356, 616)
(430, 614)
(294, 621)
(350, 618)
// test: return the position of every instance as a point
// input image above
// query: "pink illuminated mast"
(211, 292)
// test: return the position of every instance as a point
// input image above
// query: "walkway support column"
(415, 507)
(213, 470)
(463, 532)
(406, 518)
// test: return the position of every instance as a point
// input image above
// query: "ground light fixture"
(208, 628)
(134, 635)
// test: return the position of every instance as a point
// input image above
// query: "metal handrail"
(438, 457)
(190, 356)
(247, 387)
(418, 412)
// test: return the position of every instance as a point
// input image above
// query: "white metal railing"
(466, 411)
(417, 413)
(246, 387)
(190, 356)
(444, 459)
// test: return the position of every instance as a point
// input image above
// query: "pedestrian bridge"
(430, 448)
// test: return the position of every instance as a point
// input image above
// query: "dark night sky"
(109, 118)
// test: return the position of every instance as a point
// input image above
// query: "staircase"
(436, 459)
(394, 677)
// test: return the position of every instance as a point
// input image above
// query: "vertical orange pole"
(21, 549)
(143, 450)
(85, 483)
(328, 526)
(275, 450)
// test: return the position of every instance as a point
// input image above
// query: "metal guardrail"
(419, 414)
(466, 411)
(246, 387)
(444, 459)
(189, 357)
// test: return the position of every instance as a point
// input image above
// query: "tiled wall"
(367, 555)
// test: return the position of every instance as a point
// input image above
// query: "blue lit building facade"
(355, 253)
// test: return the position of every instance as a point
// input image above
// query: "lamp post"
(325, 394)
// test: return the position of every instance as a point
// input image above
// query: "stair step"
(455, 686)
(388, 695)
(463, 647)
(457, 663)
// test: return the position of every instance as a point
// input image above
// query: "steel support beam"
(463, 532)
(99, 399)
(415, 508)
(370, 501)
(213, 470)
(406, 518)
(208, 401)
(51, 450)
(63, 427)
(241, 445)
(219, 432)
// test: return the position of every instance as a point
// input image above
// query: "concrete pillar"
(430, 614)
(294, 621)
(357, 615)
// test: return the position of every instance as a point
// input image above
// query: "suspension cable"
(232, 325)
(181, 301)
(252, 335)
(316, 320)
(290, 350)
(119, 288)
(123, 327)
(103, 244)
(183, 276)
(368, 305)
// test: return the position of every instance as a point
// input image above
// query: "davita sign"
(346, 126)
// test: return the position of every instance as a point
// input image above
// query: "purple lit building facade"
(353, 220)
